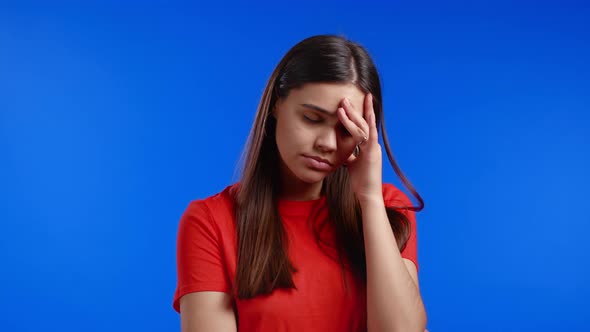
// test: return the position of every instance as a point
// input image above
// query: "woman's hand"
(364, 169)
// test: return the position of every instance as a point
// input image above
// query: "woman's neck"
(300, 191)
(293, 189)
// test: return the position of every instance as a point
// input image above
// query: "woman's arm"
(393, 296)
(207, 311)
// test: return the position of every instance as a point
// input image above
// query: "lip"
(319, 159)
(317, 163)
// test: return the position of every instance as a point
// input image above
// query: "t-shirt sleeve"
(199, 260)
(398, 200)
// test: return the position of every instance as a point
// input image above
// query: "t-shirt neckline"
(299, 208)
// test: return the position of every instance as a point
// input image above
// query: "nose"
(327, 141)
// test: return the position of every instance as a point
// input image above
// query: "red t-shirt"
(206, 261)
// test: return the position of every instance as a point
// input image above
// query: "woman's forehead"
(328, 96)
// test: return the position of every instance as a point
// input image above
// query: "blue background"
(114, 116)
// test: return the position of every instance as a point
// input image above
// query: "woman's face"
(308, 129)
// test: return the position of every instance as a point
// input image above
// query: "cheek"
(291, 137)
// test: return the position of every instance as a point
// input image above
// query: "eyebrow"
(319, 109)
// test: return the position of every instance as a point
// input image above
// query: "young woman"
(309, 239)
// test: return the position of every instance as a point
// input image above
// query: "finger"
(354, 155)
(362, 130)
(350, 160)
(350, 126)
(369, 112)
(359, 120)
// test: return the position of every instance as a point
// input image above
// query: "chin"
(310, 176)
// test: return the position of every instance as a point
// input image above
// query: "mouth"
(318, 163)
(322, 160)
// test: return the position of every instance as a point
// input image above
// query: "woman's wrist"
(371, 200)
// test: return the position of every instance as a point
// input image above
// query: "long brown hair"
(263, 262)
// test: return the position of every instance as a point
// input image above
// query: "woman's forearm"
(393, 299)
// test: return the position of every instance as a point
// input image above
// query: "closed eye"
(308, 119)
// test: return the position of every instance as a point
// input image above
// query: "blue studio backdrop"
(114, 116)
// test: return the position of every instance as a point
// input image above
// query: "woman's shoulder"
(217, 205)
(394, 197)
(226, 194)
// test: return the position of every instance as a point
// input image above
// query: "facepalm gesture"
(365, 161)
